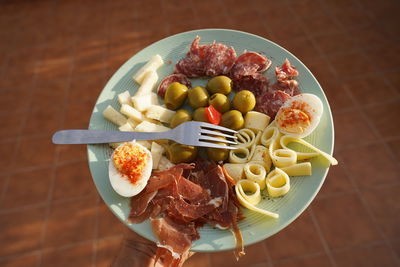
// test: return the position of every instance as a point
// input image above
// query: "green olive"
(220, 84)
(217, 154)
(178, 153)
(232, 119)
(180, 116)
(175, 95)
(220, 102)
(200, 115)
(198, 97)
(244, 101)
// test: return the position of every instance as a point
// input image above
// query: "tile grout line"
(52, 249)
(56, 155)
(357, 189)
(325, 245)
(98, 200)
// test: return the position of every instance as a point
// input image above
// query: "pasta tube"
(239, 155)
(245, 138)
(283, 157)
(250, 200)
(278, 183)
(255, 172)
(269, 135)
(285, 140)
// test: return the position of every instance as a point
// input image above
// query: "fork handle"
(68, 137)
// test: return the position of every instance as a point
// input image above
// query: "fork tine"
(204, 131)
(216, 127)
(209, 138)
(207, 144)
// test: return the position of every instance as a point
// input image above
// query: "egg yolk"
(130, 161)
(293, 120)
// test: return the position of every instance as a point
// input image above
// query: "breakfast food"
(191, 186)
(130, 168)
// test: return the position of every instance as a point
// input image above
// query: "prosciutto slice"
(248, 64)
(186, 197)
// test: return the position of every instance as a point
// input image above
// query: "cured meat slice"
(175, 240)
(249, 63)
(211, 60)
(219, 59)
(180, 78)
(256, 83)
(140, 202)
(270, 102)
(291, 87)
(286, 71)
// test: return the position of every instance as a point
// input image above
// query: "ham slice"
(186, 196)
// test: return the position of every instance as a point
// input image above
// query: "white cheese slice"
(152, 65)
(143, 102)
(124, 98)
(156, 153)
(146, 126)
(131, 112)
(114, 116)
(160, 113)
(149, 82)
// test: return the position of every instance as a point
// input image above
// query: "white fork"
(192, 133)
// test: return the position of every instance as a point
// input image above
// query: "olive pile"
(214, 94)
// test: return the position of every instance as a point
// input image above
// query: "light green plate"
(255, 227)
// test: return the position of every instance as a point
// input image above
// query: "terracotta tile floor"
(56, 55)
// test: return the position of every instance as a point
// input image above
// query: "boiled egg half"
(130, 168)
(299, 115)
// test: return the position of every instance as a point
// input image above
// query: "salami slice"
(256, 83)
(206, 60)
(291, 87)
(190, 67)
(286, 71)
(180, 78)
(270, 102)
(249, 63)
(219, 59)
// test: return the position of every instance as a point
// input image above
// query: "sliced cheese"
(152, 65)
(127, 127)
(298, 169)
(248, 194)
(285, 140)
(278, 183)
(255, 172)
(164, 164)
(160, 113)
(124, 98)
(114, 116)
(131, 112)
(143, 102)
(256, 121)
(235, 170)
(283, 157)
(156, 153)
(149, 82)
(146, 126)
(146, 144)
(133, 122)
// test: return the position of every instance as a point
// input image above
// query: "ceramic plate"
(255, 227)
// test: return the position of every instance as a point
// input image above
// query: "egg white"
(314, 108)
(122, 185)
